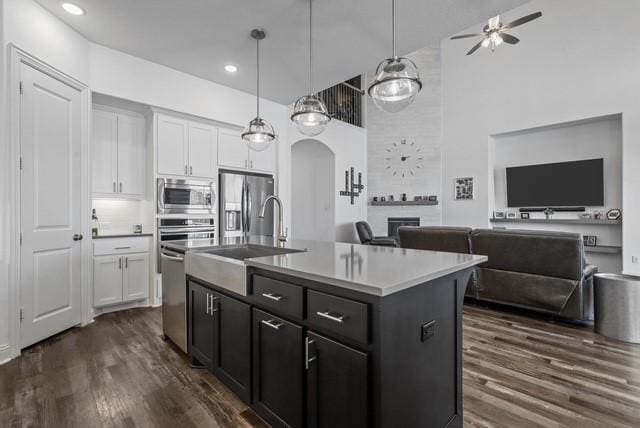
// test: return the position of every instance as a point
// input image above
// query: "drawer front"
(342, 316)
(120, 245)
(277, 295)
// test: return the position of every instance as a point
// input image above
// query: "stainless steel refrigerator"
(241, 197)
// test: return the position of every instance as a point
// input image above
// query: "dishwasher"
(174, 297)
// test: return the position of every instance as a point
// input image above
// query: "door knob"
(77, 237)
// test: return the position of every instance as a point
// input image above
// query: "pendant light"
(310, 114)
(259, 134)
(397, 81)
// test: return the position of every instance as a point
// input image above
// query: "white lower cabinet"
(120, 270)
(135, 277)
(107, 280)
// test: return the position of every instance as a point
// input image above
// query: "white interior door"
(131, 155)
(50, 187)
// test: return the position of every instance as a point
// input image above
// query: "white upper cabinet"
(233, 152)
(186, 148)
(264, 160)
(173, 145)
(203, 155)
(131, 155)
(118, 154)
(104, 150)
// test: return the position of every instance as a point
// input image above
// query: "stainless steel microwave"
(177, 196)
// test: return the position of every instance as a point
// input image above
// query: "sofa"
(539, 271)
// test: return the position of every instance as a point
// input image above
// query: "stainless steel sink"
(225, 267)
(249, 251)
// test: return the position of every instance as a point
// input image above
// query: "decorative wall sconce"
(351, 188)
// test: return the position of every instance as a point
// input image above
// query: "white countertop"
(379, 271)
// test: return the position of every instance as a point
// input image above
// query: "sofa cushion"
(552, 254)
(535, 292)
(435, 238)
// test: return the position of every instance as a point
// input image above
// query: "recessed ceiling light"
(230, 68)
(73, 9)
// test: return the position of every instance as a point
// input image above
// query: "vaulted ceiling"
(200, 36)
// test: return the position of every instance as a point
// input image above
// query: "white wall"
(579, 61)
(349, 144)
(313, 198)
(419, 123)
(596, 139)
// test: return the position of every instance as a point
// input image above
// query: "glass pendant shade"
(310, 115)
(396, 84)
(259, 134)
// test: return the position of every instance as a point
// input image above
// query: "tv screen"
(564, 184)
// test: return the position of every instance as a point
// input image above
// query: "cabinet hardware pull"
(208, 303)
(121, 187)
(126, 262)
(120, 263)
(272, 324)
(114, 187)
(121, 248)
(251, 164)
(214, 308)
(307, 360)
(191, 170)
(186, 170)
(275, 297)
(337, 318)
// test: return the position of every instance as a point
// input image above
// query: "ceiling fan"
(494, 33)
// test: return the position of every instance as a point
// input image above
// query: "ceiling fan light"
(310, 115)
(486, 42)
(259, 134)
(396, 84)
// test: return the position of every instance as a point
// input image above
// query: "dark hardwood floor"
(518, 372)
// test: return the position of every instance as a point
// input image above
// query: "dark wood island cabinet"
(304, 353)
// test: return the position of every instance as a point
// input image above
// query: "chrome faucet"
(282, 235)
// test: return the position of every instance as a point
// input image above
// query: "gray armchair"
(365, 233)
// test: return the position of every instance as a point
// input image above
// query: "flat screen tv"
(563, 184)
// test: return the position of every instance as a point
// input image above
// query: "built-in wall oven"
(179, 228)
(176, 196)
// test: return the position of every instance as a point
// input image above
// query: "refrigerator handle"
(243, 208)
(249, 208)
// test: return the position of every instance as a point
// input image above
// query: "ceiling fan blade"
(466, 36)
(475, 48)
(522, 20)
(508, 38)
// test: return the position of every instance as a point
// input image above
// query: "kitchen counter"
(378, 271)
(121, 235)
(294, 323)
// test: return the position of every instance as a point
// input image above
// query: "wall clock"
(404, 158)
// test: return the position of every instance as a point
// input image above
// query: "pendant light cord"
(258, 78)
(310, 47)
(393, 27)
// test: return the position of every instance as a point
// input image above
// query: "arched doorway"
(312, 191)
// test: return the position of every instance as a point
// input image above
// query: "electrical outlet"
(635, 259)
(428, 330)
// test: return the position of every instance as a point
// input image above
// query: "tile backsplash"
(119, 216)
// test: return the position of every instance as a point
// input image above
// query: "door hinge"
(21, 163)
(20, 238)
(21, 88)
(21, 314)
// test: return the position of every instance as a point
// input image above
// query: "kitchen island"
(330, 334)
